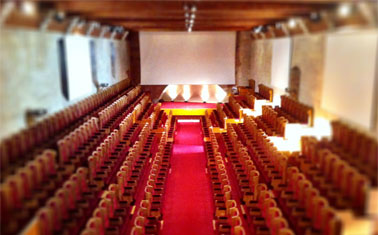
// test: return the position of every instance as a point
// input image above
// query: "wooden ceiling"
(210, 15)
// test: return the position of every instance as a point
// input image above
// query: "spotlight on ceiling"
(344, 10)
(193, 9)
(59, 16)
(258, 29)
(28, 8)
(315, 16)
(292, 23)
(193, 16)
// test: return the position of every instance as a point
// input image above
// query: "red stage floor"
(187, 105)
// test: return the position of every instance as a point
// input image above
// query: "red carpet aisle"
(188, 207)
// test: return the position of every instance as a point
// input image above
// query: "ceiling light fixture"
(315, 16)
(59, 16)
(258, 29)
(189, 16)
(344, 10)
(28, 8)
(292, 23)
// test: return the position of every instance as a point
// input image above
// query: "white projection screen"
(348, 84)
(281, 63)
(169, 58)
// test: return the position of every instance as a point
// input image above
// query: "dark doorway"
(294, 82)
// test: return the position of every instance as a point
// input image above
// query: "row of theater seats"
(357, 148)
(40, 180)
(148, 219)
(73, 151)
(227, 216)
(171, 126)
(66, 200)
(26, 144)
(206, 123)
(110, 208)
(229, 111)
(22, 192)
(147, 111)
(265, 92)
(295, 112)
(339, 181)
(248, 101)
(264, 213)
(270, 122)
(234, 106)
(159, 117)
(252, 86)
(217, 117)
(307, 194)
(111, 213)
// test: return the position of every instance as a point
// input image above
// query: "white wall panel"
(349, 75)
(281, 50)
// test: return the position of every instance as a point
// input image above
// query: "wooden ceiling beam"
(167, 7)
(145, 14)
(173, 24)
(242, 15)
(202, 28)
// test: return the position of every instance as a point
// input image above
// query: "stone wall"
(243, 58)
(308, 56)
(307, 53)
(261, 61)
(30, 73)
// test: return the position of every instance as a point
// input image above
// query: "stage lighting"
(186, 93)
(172, 91)
(220, 94)
(205, 93)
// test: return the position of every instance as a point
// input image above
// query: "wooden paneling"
(210, 15)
